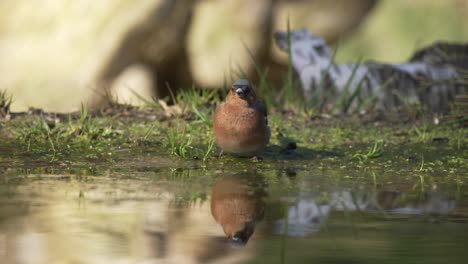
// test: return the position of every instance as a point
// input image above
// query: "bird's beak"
(237, 241)
(240, 92)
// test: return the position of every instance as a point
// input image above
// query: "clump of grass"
(210, 149)
(105, 93)
(187, 102)
(196, 97)
(293, 96)
(186, 141)
(421, 166)
(152, 103)
(421, 132)
(39, 131)
(5, 102)
(83, 130)
(344, 101)
(148, 132)
(193, 104)
(203, 117)
(374, 152)
(459, 135)
(180, 143)
(198, 102)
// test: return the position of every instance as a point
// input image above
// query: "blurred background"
(56, 54)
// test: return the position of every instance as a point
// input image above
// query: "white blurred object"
(31, 248)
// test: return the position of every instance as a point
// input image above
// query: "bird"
(237, 206)
(240, 124)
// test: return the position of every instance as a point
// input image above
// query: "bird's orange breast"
(240, 129)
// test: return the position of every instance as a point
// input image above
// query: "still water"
(232, 214)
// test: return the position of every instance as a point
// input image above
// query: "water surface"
(142, 210)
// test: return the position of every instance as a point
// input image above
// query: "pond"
(150, 208)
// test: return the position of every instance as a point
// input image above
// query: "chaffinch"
(238, 207)
(240, 123)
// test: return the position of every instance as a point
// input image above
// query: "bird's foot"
(221, 153)
(256, 158)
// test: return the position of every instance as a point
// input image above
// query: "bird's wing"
(262, 109)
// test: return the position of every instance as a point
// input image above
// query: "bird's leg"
(221, 153)
(256, 158)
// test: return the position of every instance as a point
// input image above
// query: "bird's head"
(242, 90)
(239, 235)
(237, 204)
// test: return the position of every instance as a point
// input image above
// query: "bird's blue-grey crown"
(241, 83)
(242, 87)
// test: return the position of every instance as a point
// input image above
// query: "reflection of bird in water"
(237, 205)
(240, 124)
